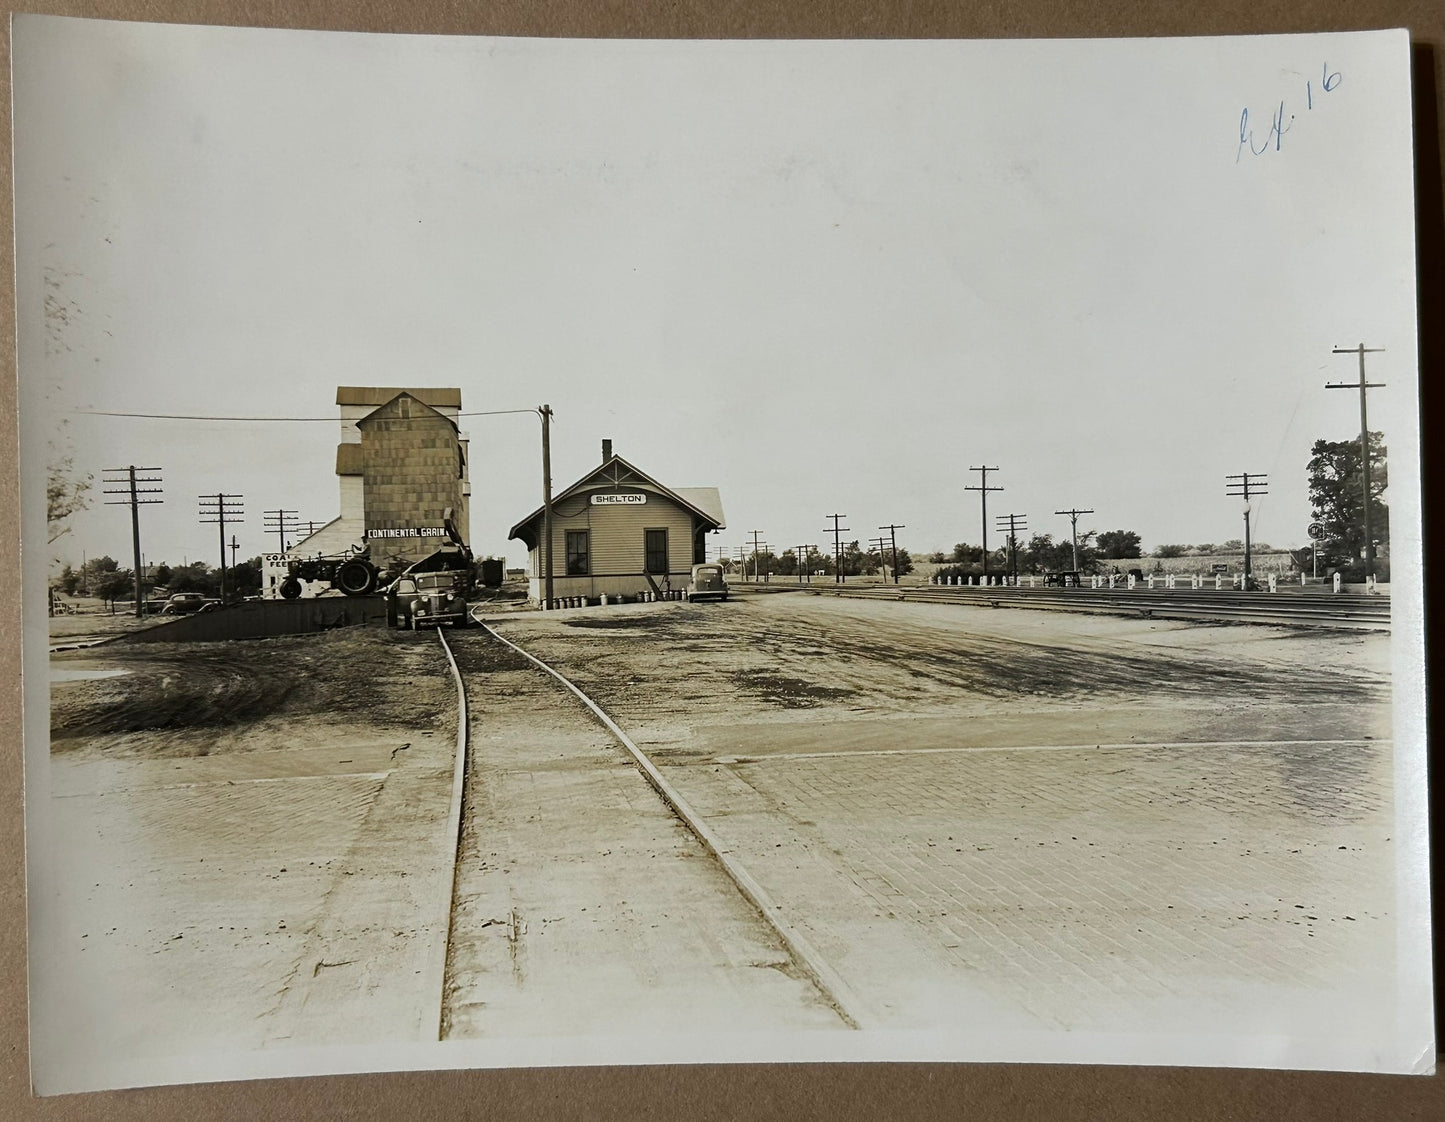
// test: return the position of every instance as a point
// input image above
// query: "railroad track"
(805, 958)
(1370, 613)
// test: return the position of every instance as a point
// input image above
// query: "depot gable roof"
(703, 502)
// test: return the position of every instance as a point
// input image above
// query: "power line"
(212, 417)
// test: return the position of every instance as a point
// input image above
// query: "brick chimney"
(606, 450)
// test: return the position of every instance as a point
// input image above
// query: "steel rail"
(829, 983)
(454, 832)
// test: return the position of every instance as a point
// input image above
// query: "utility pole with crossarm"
(983, 489)
(838, 532)
(1074, 531)
(1245, 486)
(1362, 386)
(131, 489)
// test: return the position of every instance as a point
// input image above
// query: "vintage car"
(429, 599)
(184, 603)
(707, 583)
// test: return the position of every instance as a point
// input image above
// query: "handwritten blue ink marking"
(1278, 126)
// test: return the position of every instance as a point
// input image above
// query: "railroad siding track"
(1355, 613)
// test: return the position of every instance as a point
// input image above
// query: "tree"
(1171, 551)
(69, 580)
(112, 585)
(244, 578)
(93, 571)
(195, 577)
(1336, 488)
(65, 493)
(965, 554)
(1044, 555)
(1117, 544)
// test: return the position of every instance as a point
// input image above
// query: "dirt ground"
(1033, 820)
(240, 846)
(796, 661)
(165, 699)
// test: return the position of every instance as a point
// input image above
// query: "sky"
(822, 277)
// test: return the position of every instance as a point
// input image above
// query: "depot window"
(655, 548)
(577, 553)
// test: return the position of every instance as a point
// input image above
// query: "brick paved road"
(964, 855)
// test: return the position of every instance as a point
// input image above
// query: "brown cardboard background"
(783, 1091)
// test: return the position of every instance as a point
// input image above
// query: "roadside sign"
(1316, 530)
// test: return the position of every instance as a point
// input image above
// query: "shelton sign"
(623, 498)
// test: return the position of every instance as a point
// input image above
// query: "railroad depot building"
(619, 532)
(401, 465)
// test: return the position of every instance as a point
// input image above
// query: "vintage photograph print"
(552, 552)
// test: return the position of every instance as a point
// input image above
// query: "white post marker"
(1338, 582)
(1274, 582)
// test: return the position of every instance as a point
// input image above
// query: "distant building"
(401, 465)
(619, 532)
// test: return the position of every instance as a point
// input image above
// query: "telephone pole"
(983, 489)
(545, 412)
(893, 529)
(235, 545)
(1014, 523)
(221, 508)
(1362, 386)
(804, 552)
(279, 522)
(838, 531)
(880, 544)
(1074, 531)
(1248, 484)
(130, 487)
(757, 557)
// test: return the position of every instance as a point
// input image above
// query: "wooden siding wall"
(617, 543)
(411, 477)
